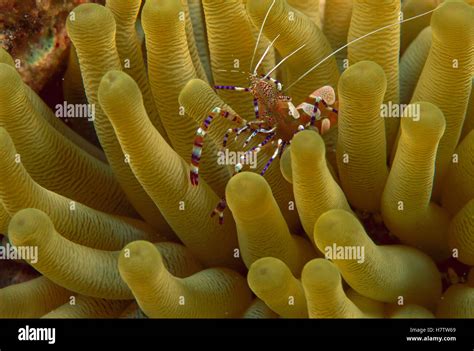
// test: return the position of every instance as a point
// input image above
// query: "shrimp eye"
(293, 111)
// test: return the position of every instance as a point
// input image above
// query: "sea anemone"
(370, 218)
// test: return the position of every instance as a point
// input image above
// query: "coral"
(122, 232)
(132, 311)
(34, 32)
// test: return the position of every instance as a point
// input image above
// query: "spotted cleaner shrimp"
(277, 120)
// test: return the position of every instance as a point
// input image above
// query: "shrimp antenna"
(283, 60)
(265, 54)
(260, 33)
(232, 71)
(353, 41)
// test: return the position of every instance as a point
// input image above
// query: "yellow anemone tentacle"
(76, 221)
(315, 189)
(92, 31)
(196, 14)
(412, 63)
(51, 159)
(410, 30)
(198, 99)
(461, 234)
(370, 307)
(322, 284)
(211, 293)
(192, 45)
(231, 43)
(165, 175)
(458, 186)
(296, 32)
(457, 302)
(308, 7)
(170, 67)
(450, 65)
(259, 310)
(88, 307)
(381, 47)
(361, 152)
(272, 281)
(31, 299)
(131, 56)
(81, 269)
(384, 273)
(406, 207)
(337, 19)
(408, 311)
(469, 120)
(44, 111)
(261, 228)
